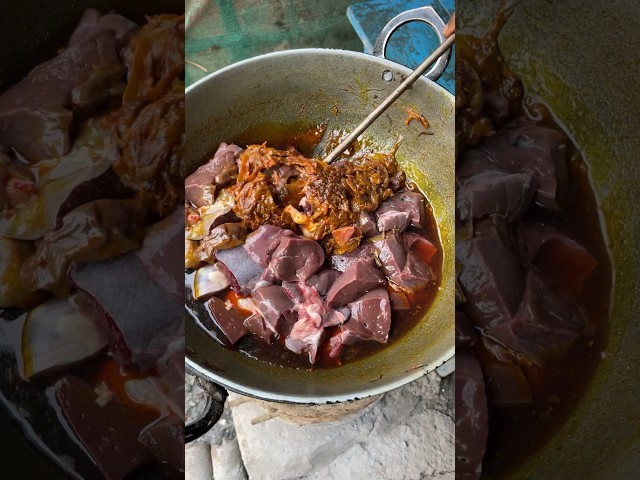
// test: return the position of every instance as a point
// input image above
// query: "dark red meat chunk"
(323, 281)
(373, 312)
(296, 258)
(221, 169)
(109, 433)
(229, 320)
(357, 280)
(272, 302)
(562, 258)
(411, 203)
(259, 327)
(244, 271)
(491, 278)
(472, 418)
(261, 243)
(366, 251)
(523, 147)
(487, 193)
(392, 254)
(368, 225)
(545, 326)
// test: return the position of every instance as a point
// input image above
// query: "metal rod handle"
(373, 116)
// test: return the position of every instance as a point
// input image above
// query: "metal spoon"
(372, 117)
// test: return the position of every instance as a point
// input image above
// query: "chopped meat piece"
(472, 417)
(465, 334)
(229, 320)
(506, 384)
(523, 147)
(108, 433)
(358, 279)
(487, 193)
(415, 275)
(308, 331)
(36, 114)
(245, 272)
(305, 337)
(201, 185)
(399, 301)
(323, 280)
(563, 259)
(142, 317)
(272, 302)
(343, 240)
(373, 312)
(336, 317)
(368, 225)
(420, 246)
(296, 258)
(407, 202)
(490, 278)
(365, 252)
(545, 326)
(392, 254)
(261, 243)
(393, 220)
(259, 327)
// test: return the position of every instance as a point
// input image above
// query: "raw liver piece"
(109, 433)
(392, 254)
(406, 201)
(245, 272)
(491, 277)
(368, 225)
(389, 219)
(258, 327)
(261, 243)
(357, 280)
(373, 312)
(365, 251)
(423, 248)
(322, 281)
(272, 302)
(545, 326)
(493, 192)
(523, 147)
(561, 257)
(199, 187)
(472, 417)
(296, 259)
(399, 301)
(415, 275)
(230, 321)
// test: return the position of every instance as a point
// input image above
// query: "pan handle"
(422, 14)
(216, 396)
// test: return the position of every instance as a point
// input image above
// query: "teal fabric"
(222, 32)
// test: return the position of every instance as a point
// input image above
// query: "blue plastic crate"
(412, 42)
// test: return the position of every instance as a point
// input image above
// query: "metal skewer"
(372, 117)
